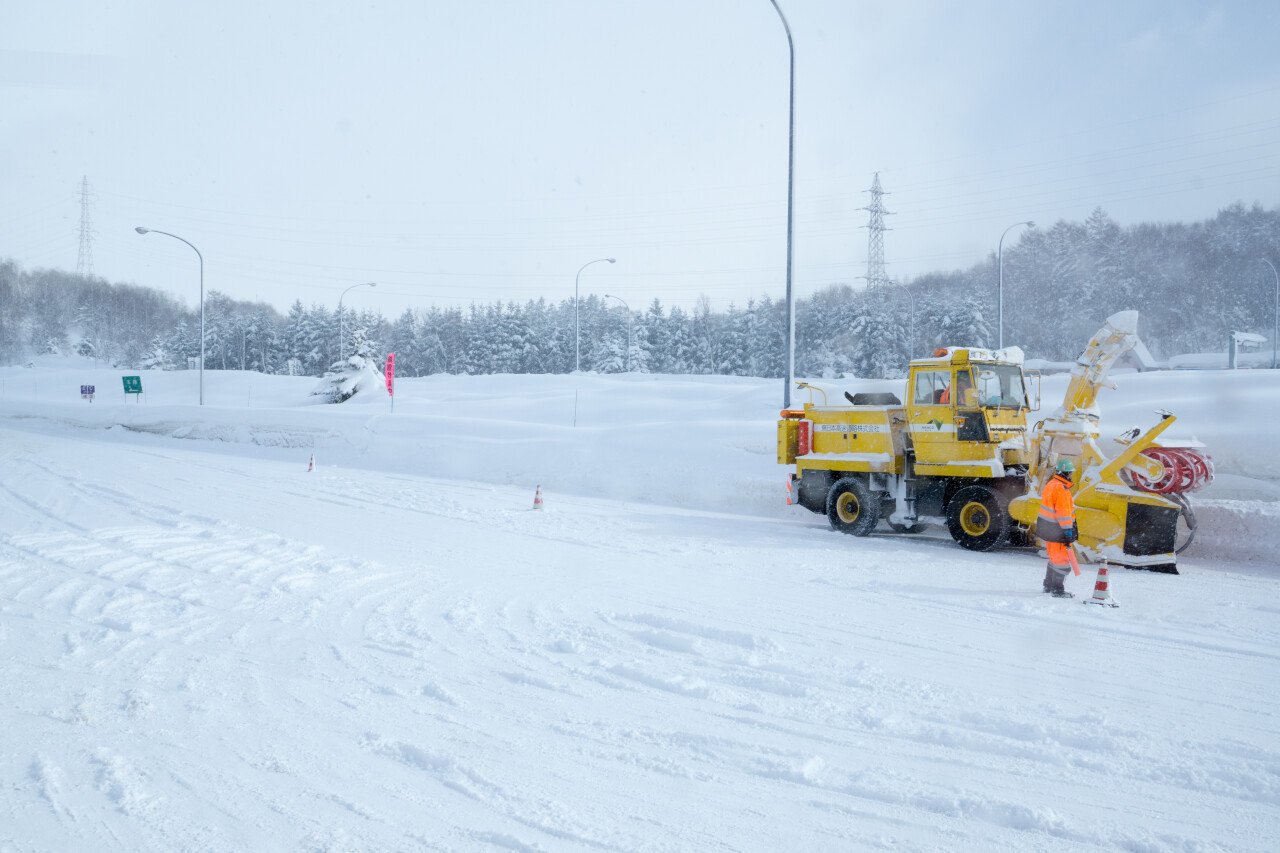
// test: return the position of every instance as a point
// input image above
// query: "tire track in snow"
(147, 594)
(1052, 756)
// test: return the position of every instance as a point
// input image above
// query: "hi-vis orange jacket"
(1057, 510)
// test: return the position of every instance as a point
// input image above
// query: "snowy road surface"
(213, 652)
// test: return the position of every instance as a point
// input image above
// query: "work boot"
(1062, 593)
(1048, 579)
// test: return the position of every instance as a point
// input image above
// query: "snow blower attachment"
(1127, 505)
(959, 453)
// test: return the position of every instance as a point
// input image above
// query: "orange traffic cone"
(311, 466)
(788, 490)
(1101, 588)
(537, 498)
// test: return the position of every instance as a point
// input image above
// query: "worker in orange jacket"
(964, 382)
(1056, 525)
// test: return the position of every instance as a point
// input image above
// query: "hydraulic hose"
(1189, 516)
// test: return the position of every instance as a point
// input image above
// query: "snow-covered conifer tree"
(358, 374)
(156, 357)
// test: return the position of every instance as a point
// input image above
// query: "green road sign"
(132, 384)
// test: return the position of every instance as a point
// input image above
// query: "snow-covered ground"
(206, 647)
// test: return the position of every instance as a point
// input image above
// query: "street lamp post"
(1000, 293)
(791, 174)
(577, 352)
(1275, 313)
(344, 293)
(142, 230)
(627, 308)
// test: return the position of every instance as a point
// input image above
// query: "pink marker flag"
(391, 374)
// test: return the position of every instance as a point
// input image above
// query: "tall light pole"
(627, 308)
(344, 293)
(1275, 312)
(577, 354)
(791, 174)
(142, 230)
(1000, 293)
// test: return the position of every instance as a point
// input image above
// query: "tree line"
(1191, 283)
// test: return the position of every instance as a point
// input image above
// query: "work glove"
(1071, 534)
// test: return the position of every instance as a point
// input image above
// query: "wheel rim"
(975, 520)
(847, 507)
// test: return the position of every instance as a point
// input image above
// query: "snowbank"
(690, 441)
(1219, 360)
(1237, 531)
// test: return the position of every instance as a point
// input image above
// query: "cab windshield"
(1000, 385)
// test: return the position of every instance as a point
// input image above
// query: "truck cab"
(966, 413)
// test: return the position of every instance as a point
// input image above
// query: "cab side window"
(966, 394)
(929, 387)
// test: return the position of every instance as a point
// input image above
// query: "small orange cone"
(311, 466)
(537, 498)
(788, 490)
(1101, 588)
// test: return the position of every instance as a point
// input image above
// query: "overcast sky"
(472, 150)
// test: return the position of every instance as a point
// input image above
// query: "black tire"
(978, 518)
(851, 508)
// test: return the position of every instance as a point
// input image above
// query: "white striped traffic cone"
(537, 498)
(311, 466)
(1102, 588)
(788, 490)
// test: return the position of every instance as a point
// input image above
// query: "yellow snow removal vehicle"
(959, 453)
